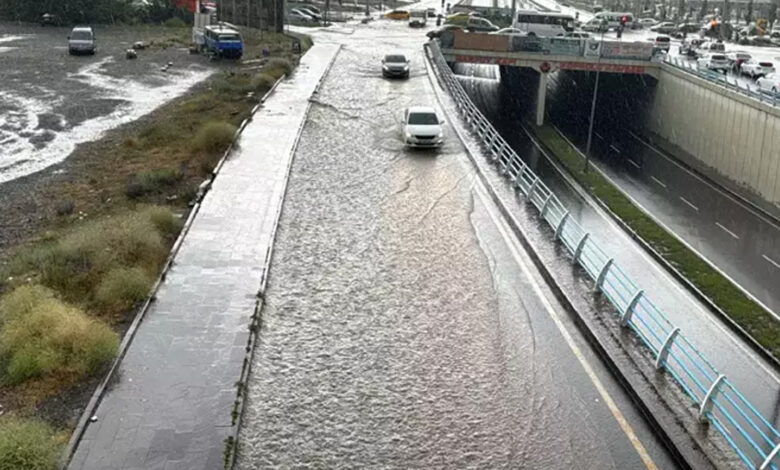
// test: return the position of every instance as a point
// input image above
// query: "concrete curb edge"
(256, 323)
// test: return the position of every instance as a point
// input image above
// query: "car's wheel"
(531, 35)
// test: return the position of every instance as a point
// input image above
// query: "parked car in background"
(769, 83)
(418, 18)
(662, 43)
(433, 34)
(755, 69)
(666, 27)
(475, 23)
(543, 23)
(395, 65)
(688, 47)
(48, 19)
(314, 12)
(431, 12)
(510, 32)
(715, 62)
(82, 41)
(646, 22)
(458, 18)
(710, 47)
(688, 28)
(298, 16)
(397, 15)
(422, 128)
(736, 59)
(577, 35)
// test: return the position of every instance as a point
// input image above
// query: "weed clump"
(121, 288)
(174, 23)
(148, 182)
(213, 137)
(277, 67)
(262, 82)
(40, 334)
(27, 445)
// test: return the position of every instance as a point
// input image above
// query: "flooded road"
(402, 327)
(51, 101)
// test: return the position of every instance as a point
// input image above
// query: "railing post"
(664, 351)
(533, 186)
(769, 458)
(629, 311)
(706, 404)
(559, 228)
(580, 245)
(603, 273)
(545, 204)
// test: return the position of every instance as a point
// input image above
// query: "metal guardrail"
(723, 80)
(753, 438)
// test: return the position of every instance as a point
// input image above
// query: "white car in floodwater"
(422, 127)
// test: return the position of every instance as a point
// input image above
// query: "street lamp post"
(593, 106)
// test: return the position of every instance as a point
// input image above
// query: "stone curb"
(99, 393)
(231, 447)
(686, 459)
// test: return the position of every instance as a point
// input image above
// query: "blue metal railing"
(752, 437)
(721, 79)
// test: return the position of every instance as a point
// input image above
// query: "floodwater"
(50, 101)
(401, 325)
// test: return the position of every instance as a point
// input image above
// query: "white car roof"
(421, 109)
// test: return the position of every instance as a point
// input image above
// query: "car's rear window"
(662, 39)
(765, 64)
(423, 119)
(718, 57)
(81, 35)
(395, 58)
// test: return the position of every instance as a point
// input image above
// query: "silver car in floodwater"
(82, 41)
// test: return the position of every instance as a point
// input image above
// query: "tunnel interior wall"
(728, 136)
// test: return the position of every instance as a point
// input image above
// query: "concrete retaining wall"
(730, 137)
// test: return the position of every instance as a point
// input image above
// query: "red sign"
(544, 67)
(473, 59)
(592, 66)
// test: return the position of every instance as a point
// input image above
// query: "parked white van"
(82, 41)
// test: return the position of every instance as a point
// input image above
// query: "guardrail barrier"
(718, 402)
(723, 79)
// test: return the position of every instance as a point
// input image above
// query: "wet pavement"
(402, 326)
(169, 406)
(51, 101)
(748, 371)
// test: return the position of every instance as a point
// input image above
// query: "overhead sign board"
(627, 50)
(601, 67)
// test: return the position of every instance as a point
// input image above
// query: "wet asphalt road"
(51, 101)
(400, 327)
(741, 241)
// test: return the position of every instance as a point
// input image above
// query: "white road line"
(707, 183)
(777, 265)
(614, 148)
(727, 230)
(621, 420)
(663, 185)
(598, 135)
(634, 163)
(689, 203)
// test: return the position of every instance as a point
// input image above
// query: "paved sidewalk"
(170, 405)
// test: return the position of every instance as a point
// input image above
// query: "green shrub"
(164, 220)
(75, 263)
(121, 288)
(45, 335)
(174, 23)
(277, 67)
(262, 82)
(27, 445)
(213, 137)
(150, 182)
